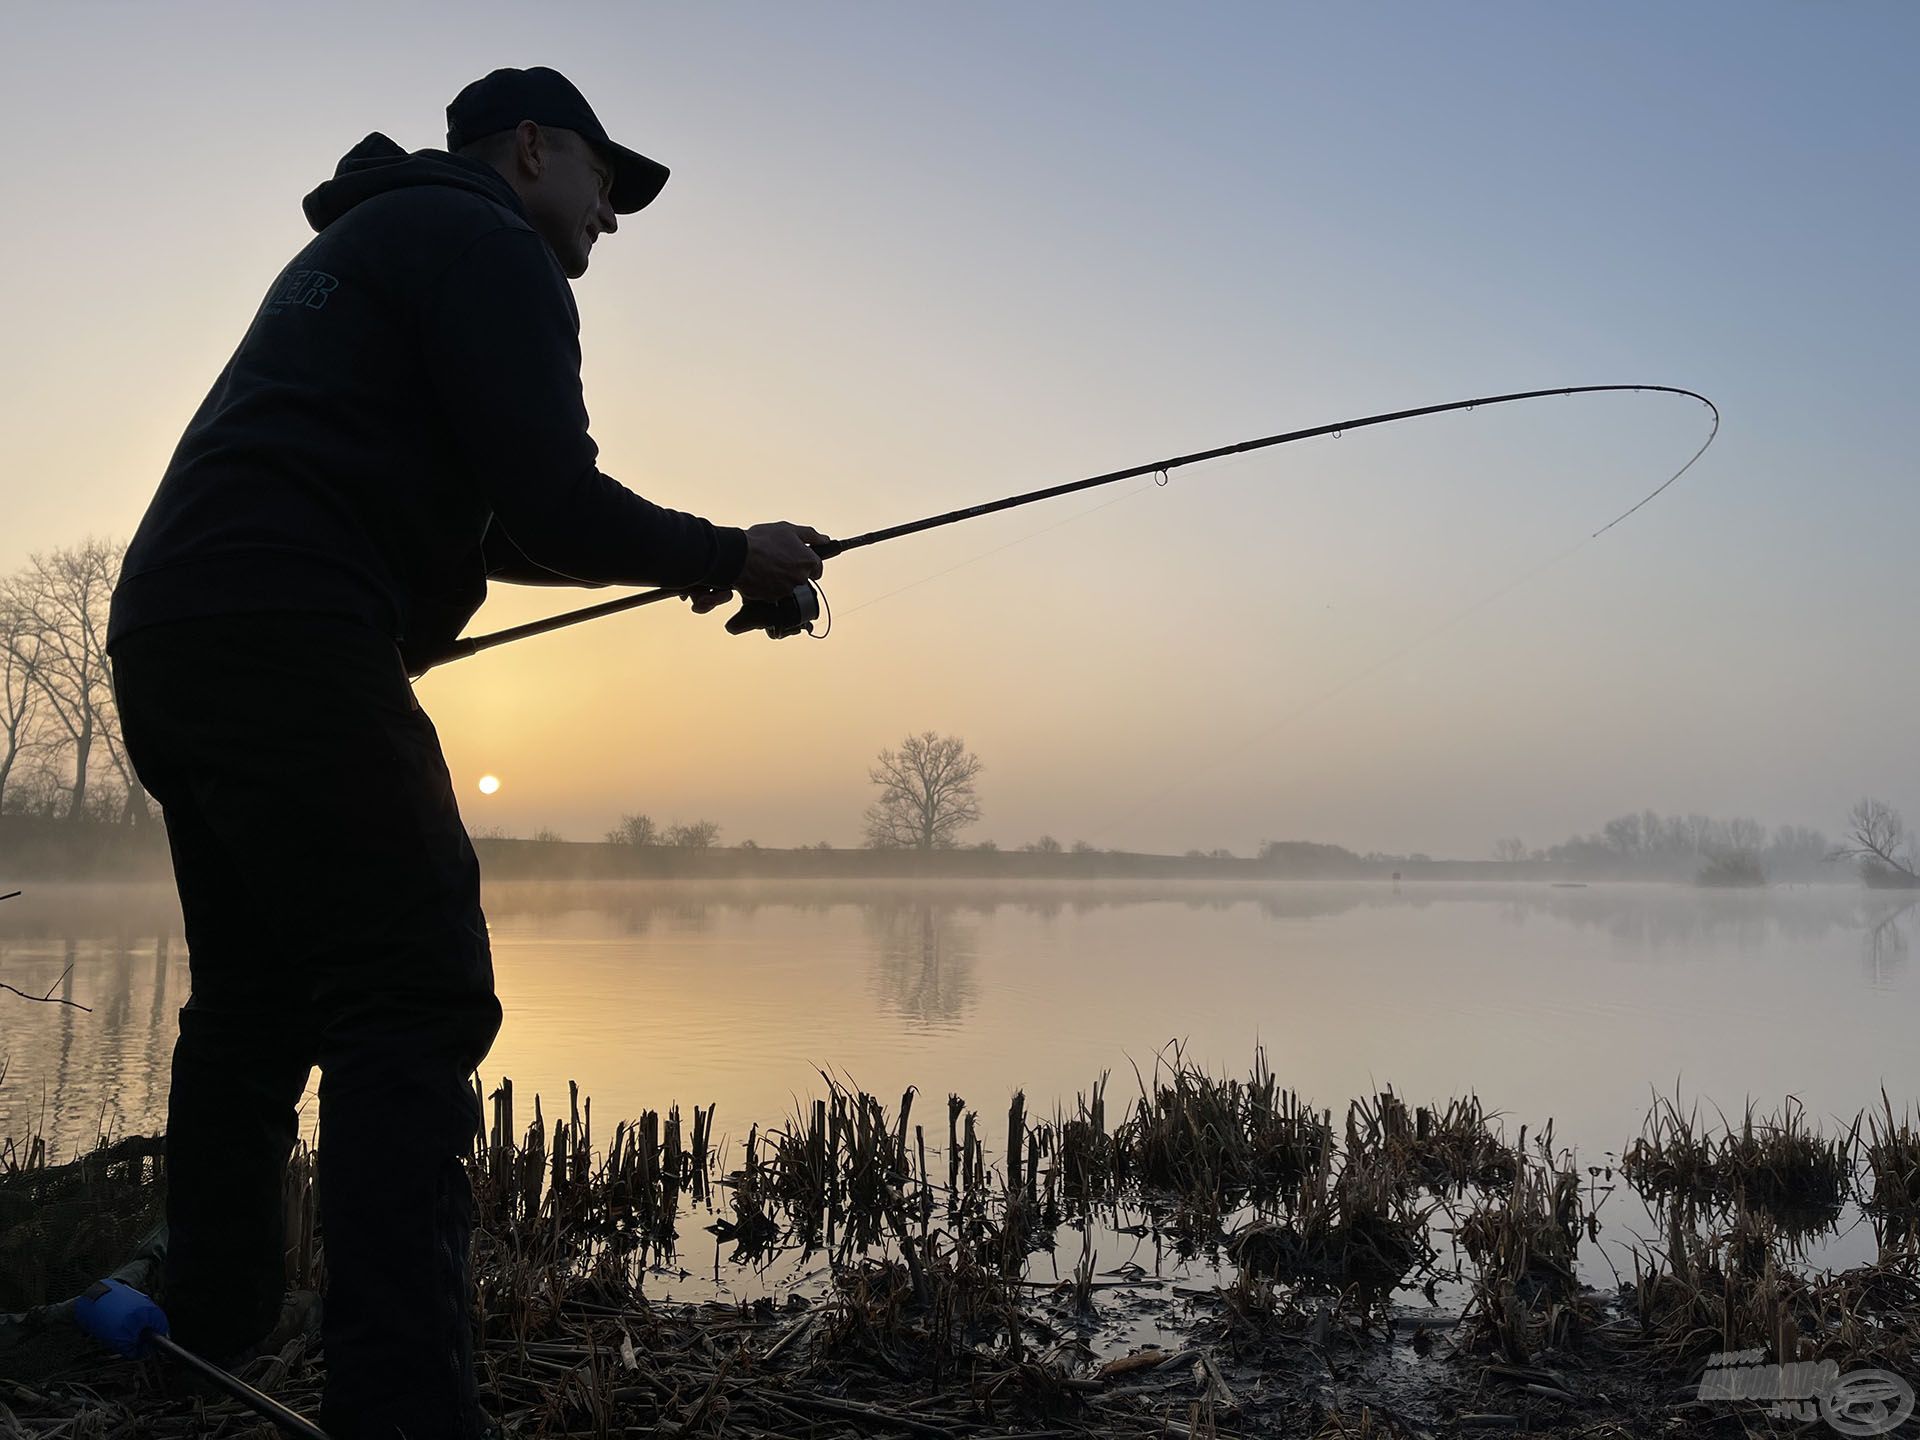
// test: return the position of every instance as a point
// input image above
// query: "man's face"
(569, 202)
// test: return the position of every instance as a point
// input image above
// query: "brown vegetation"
(927, 1322)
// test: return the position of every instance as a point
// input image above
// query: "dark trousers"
(332, 907)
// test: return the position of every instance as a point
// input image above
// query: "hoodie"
(402, 419)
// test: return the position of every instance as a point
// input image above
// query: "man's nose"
(609, 222)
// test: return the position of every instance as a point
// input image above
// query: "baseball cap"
(501, 100)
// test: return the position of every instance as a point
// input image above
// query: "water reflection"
(1569, 1002)
(72, 1074)
(1883, 945)
(923, 963)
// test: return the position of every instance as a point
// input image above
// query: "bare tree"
(634, 830)
(64, 595)
(926, 793)
(133, 795)
(700, 835)
(1876, 836)
(19, 696)
(1510, 848)
(37, 789)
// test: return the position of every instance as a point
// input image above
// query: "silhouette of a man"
(402, 422)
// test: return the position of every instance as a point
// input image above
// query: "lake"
(1569, 1005)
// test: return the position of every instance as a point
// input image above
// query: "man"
(402, 422)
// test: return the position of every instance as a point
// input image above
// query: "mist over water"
(1565, 1004)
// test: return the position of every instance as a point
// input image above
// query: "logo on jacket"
(301, 287)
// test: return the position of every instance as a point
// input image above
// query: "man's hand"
(705, 600)
(778, 560)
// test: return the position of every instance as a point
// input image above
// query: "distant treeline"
(50, 847)
(1652, 846)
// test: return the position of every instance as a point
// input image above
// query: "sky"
(914, 257)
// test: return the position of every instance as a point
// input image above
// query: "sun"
(489, 784)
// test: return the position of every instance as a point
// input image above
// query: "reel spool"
(779, 618)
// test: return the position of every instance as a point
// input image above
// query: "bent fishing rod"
(795, 613)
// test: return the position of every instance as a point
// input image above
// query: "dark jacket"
(402, 420)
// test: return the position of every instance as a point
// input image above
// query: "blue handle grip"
(120, 1317)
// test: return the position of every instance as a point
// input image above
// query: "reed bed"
(1352, 1230)
(1523, 1241)
(1782, 1165)
(1230, 1141)
(64, 1226)
(1719, 1288)
(936, 1336)
(1673, 1157)
(1891, 1155)
(1778, 1164)
(1738, 1209)
(927, 1325)
(1444, 1149)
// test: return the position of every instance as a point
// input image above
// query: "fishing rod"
(795, 613)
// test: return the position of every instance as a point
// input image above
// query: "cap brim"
(636, 179)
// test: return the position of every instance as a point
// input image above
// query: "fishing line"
(987, 554)
(1341, 687)
(1221, 757)
(827, 608)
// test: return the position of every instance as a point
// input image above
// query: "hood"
(377, 165)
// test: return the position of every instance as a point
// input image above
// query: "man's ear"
(532, 148)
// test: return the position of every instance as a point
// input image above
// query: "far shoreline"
(56, 851)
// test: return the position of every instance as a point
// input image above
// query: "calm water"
(1569, 1005)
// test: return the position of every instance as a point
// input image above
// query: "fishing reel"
(779, 618)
